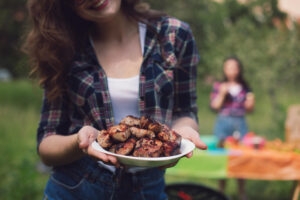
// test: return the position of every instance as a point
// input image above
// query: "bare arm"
(59, 150)
(218, 101)
(250, 102)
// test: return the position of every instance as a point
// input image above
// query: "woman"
(232, 98)
(98, 61)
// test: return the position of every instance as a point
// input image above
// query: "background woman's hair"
(240, 77)
(56, 33)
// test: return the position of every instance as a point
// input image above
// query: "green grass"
(21, 94)
(19, 178)
(19, 114)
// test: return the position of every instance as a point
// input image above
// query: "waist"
(113, 169)
(232, 112)
(88, 167)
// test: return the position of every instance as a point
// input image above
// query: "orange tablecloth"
(263, 164)
(240, 163)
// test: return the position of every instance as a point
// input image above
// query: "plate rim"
(191, 146)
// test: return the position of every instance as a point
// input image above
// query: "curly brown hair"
(56, 33)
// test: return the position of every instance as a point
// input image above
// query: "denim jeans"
(71, 183)
(227, 125)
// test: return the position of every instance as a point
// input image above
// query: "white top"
(124, 94)
(235, 90)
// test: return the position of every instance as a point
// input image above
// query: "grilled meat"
(104, 139)
(146, 147)
(141, 137)
(150, 124)
(140, 133)
(130, 121)
(145, 121)
(119, 132)
(171, 141)
(124, 148)
(171, 148)
(167, 135)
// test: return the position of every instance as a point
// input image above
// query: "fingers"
(102, 156)
(189, 155)
(85, 137)
(195, 138)
(192, 135)
(200, 145)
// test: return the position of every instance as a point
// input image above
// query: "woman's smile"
(100, 4)
(99, 11)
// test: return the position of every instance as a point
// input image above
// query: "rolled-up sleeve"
(53, 120)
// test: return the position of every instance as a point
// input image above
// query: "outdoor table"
(241, 163)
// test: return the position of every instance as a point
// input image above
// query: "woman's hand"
(250, 102)
(224, 88)
(217, 102)
(85, 137)
(187, 128)
(191, 134)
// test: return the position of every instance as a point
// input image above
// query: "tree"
(12, 19)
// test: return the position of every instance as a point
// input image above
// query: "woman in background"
(99, 61)
(232, 99)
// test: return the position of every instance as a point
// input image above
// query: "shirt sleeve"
(185, 74)
(54, 119)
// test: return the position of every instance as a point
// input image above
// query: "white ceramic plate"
(186, 147)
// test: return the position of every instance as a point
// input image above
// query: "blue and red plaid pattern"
(233, 105)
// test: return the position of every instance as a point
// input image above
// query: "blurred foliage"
(258, 33)
(255, 31)
(240, 29)
(12, 18)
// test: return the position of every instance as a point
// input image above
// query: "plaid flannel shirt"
(167, 87)
(233, 105)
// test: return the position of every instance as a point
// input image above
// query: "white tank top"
(124, 92)
(124, 96)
